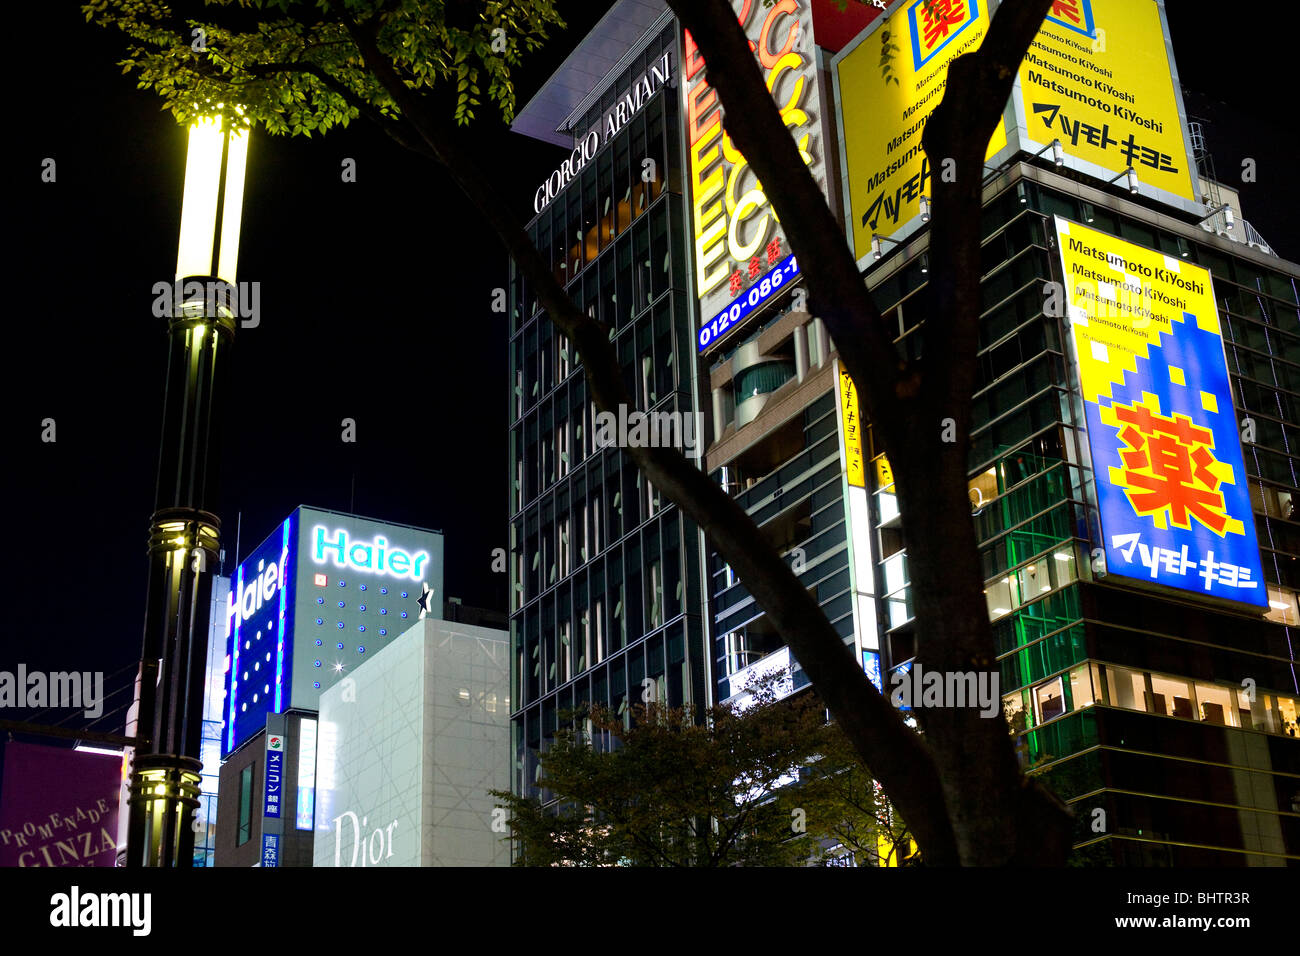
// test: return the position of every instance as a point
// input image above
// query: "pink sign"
(58, 807)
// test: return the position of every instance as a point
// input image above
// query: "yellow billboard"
(887, 85)
(1162, 433)
(851, 421)
(1098, 77)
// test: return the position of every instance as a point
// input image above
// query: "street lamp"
(184, 532)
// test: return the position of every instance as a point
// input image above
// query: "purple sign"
(58, 807)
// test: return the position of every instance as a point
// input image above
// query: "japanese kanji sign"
(1099, 78)
(274, 774)
(1161, 427)
(733, 224)
(851, 420)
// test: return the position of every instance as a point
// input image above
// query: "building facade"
(325, 592)
(606, 604)
(410, 747)
(1167, 718)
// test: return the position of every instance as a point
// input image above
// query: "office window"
(245, 806)
(1049, 699)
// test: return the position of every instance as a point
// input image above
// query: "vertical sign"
(850, 419)
(1166, 454)
(862, 570)
(274, 772)
(736, 237)
(271, 849)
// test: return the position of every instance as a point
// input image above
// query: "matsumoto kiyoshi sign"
(615, 118)
(883, 114)
(1098, 78)
(1162, 430)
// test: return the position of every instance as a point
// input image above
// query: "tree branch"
(894, 753)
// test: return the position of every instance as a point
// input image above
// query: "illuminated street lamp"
(184, 533)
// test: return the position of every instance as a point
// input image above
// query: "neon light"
(233, 622)
(284, 593)
(375, 557)
(744, 305)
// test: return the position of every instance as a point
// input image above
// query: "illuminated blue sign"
(259, 628)
(1171, 480)
(325, 591)
(271, 849)
(274, 775)
(776, 279)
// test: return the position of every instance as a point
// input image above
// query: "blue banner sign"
(741, 307)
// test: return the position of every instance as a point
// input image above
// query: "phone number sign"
(743, 306)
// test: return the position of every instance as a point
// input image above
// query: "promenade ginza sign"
(1166, 454)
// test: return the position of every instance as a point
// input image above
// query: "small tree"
(770, 784)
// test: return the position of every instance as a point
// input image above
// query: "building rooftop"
(600, 52)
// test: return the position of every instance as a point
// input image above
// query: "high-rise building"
(1143, 589)
(605, 600)
(1143, 611)
(323, 593)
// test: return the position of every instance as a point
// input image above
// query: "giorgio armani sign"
(639, 93)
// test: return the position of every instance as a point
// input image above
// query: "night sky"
(375, 306)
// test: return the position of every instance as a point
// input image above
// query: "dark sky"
(375, 306)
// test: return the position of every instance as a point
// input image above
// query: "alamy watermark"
(915, 688)
(213, 296)
(77, 909)
(636, 429)
(71, 689)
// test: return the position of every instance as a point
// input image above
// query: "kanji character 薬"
(1168, 468)
(1068, 9)
(941, 15)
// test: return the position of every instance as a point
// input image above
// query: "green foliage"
(294, 67)
(888, 50)
(659, 788)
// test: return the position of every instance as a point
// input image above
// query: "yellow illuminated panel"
(883, 114)
(851, 419)
(735, 233)
(1098, 78)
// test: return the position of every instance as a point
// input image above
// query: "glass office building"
(1176, 719)
(605, 599)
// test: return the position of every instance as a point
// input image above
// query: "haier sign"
(324, 592)
(372, 557)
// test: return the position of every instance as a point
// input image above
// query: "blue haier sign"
(324, 592)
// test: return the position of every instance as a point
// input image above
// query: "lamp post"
(184, 533)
